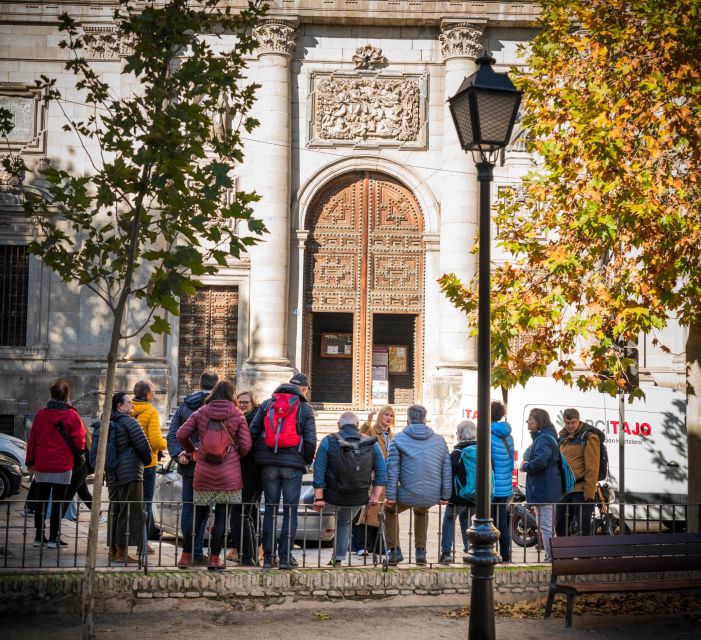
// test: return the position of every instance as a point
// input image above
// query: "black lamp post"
(484, 111)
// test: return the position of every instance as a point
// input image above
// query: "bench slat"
(632, 538)
(610, 587)
(592, 550)
(578, 566)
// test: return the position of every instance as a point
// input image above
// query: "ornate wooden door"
(208, 336)
(365, 255)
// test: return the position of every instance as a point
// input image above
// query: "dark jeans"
(149, 490)
(570, 508)
(216, 535)
(359, 541)
(287, 482)
(244, 522)
(46, 491)
(501, 522)
(78, 486)
(127, 505)
(186, 518)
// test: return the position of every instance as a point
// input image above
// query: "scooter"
(524, 527)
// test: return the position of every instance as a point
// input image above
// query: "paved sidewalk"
(219, 621)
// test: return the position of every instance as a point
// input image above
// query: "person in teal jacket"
(503, 464)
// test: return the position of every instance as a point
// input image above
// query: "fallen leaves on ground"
(598, 604)
(321, 616)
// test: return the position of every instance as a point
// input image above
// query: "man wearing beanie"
(284, 440)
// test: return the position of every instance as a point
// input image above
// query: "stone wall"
(117, 591)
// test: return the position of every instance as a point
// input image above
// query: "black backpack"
(589, 430)
(356, 461)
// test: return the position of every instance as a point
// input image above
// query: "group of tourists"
(230, 452)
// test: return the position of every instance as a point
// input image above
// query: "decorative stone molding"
(368, 57)
(106, 43)
(352, 109)
(11, 181)
(27, 104)
(276, 36)
(461, 40)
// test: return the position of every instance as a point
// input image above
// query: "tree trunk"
(119, 312)
(693, 422)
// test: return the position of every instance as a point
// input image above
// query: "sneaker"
(335, 563)
(201, 561)
(420, 555)
(39, 543)
(446, 558)
(102, 519)
(55, 544)
(247, 562)
(466, 559)
(27, 513)
(214, 564)
(362, 553)
(185, 560)
(267, 562)
(394, 556)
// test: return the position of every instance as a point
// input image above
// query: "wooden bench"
(627, 554)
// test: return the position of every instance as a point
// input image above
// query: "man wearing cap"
(284, 440)
(347, 465)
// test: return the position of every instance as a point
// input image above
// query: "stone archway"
(364, 289)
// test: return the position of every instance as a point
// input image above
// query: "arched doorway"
(364, 292)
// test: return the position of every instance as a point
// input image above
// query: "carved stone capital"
(276, 36)
(368, 57)
(461, 40)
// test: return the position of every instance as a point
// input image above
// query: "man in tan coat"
(581, 449)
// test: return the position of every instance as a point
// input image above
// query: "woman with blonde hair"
(365, 530)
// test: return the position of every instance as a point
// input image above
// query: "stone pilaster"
(461, 44)
(270, 154)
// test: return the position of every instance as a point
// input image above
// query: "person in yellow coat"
(147, 416)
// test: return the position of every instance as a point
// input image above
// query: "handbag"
(78, 454)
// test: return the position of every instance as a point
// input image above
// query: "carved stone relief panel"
(368, 111)
(28, 108)
(106, 43)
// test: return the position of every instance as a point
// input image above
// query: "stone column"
(461, 44)
(268, 173)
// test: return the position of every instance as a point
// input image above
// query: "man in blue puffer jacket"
(503, 463)
(419, 475)
(543, 477)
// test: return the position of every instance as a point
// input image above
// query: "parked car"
(14, 448)
(312, 526)
(10, 476)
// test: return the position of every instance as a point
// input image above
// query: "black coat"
(133, 450)
(190, 404)
(289, 456)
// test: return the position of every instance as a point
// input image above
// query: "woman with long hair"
(365, 530)
(217, 483)
(57, 431)
(244, 518)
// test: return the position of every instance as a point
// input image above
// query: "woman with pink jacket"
(217, 483)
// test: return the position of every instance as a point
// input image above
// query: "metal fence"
(315, 542)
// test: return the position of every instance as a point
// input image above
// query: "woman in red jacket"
(215, 482)
(50, 457)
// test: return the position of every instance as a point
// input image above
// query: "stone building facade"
(365, 191)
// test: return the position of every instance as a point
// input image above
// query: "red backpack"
(281, 421)
(216, 442)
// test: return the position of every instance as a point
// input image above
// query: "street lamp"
(484, 111)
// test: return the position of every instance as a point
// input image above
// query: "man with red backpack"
(284, 439)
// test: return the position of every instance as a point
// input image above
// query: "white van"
(656, 466)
